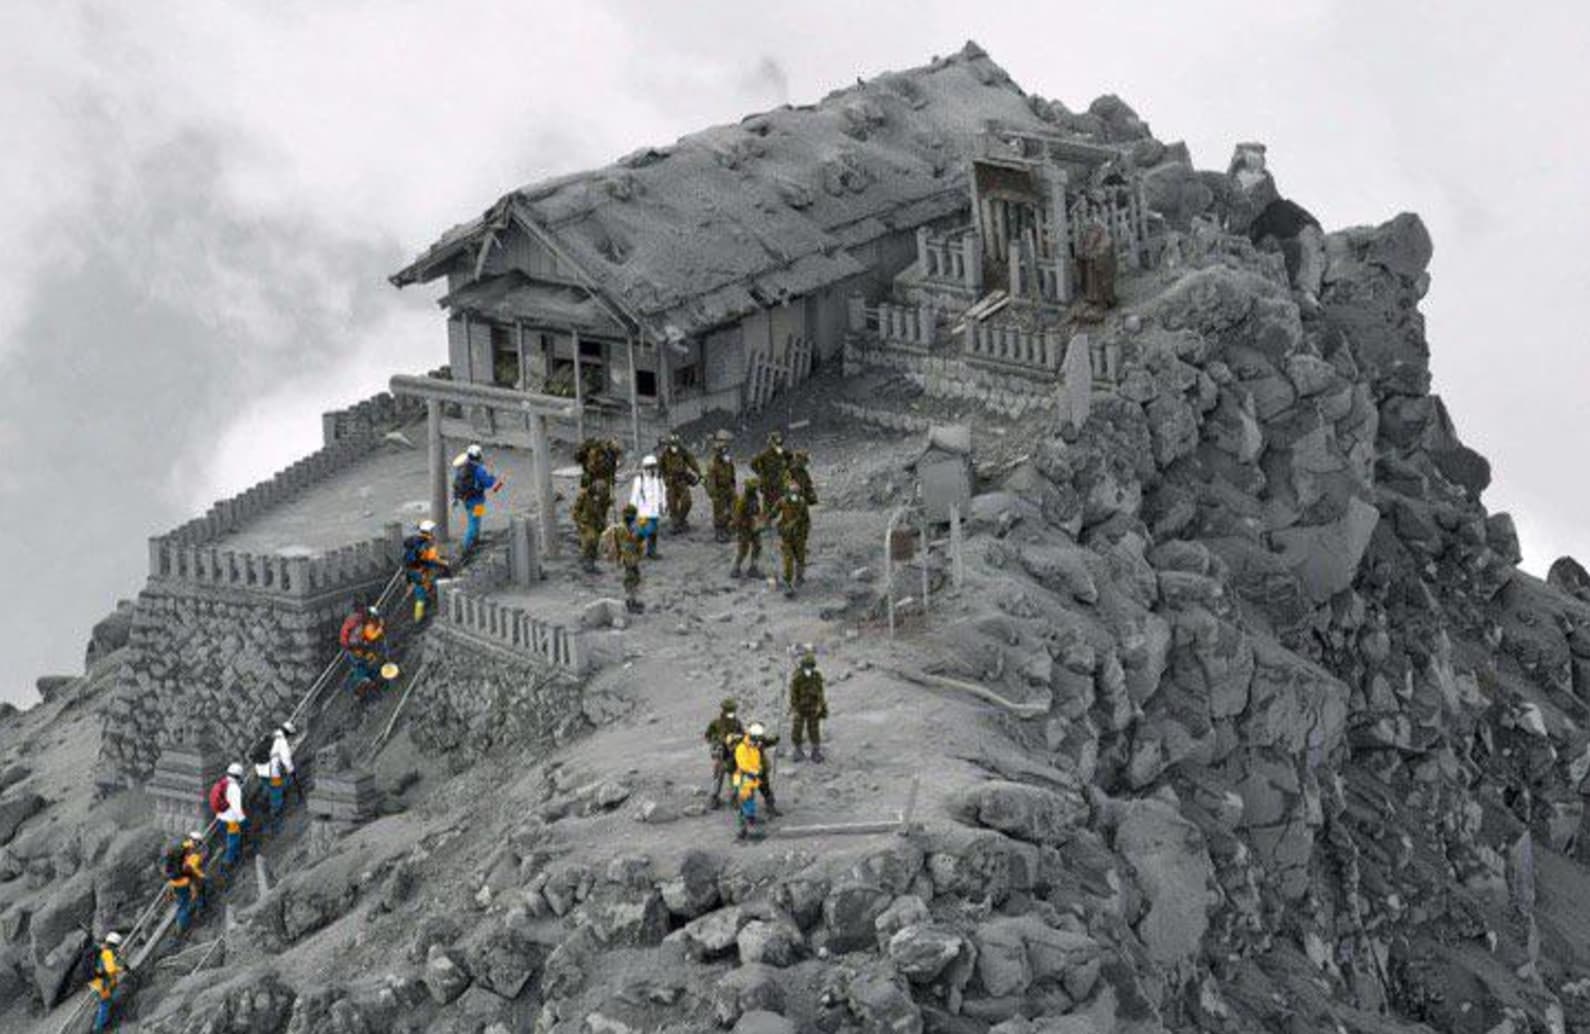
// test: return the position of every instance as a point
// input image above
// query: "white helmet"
(195, 836)
(755, 731)
(113, 939)
(286, 729)
(427, 527)
(235, 770)
(649, 461)
(474, 451)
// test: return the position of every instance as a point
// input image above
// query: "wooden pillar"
(438, 459)
(518, 344)
(545, 504)
(1060, 232)
(665, 386)
(579, 387)
(634, 396)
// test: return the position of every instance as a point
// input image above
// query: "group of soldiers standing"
(778, 493)
(743, 754)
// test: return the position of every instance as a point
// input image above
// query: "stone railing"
(513, 629)
(1126, 220)
(228, 515)
(1037, 351)
(172, 561)
(950, 258)
(914, 326)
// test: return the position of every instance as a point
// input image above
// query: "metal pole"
(545, 504)
(438, 457)
(923, 547)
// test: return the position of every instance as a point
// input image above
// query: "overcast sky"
(201, 202)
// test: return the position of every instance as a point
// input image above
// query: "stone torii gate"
(536, 410)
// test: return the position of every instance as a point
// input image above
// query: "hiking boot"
(735, 573)
(741, 834)
(717, 802)
(800, 575)
(789, 591)
(589, 566)
(817, 754)
(753, 572)
(800, 754)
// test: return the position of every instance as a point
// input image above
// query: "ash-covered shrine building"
(708, 275)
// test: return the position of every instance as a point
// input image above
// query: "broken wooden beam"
(981, 692)
(838, 829)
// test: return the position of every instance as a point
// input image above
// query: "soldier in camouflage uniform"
(794, 524)
(626, 547)
(680, 473)
(807, 706)
(772, 467)
(588, 520)
(720, 487)
(722, 732)
(748, 524)
(598, 458)
(802, 476)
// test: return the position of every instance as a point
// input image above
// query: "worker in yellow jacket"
(108, 969)
(747, 778)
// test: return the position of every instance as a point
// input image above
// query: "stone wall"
(227, 662)
(479, 698)
(223, 643)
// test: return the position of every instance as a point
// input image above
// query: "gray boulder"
(760, 1021)
(693, 891)
(921, 953)
(713, 934)
(635, 923)
(850, 915)
(503, 961)
(14, 811)
(1031, 813)
(1173, 869)
(53, 973)
(774, 943)
(444, 977)
(752, 988)
(882, 1004)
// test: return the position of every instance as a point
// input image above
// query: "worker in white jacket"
(279, 772)
(649, 497)
(233, 818)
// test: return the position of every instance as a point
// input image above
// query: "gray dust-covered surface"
(1243, 719)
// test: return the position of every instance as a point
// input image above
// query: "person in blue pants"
(471, 482)
(108, 968)
(232, 819)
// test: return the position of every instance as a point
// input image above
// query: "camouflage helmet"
(729, 705)
(723, 436)
(808, 658)
(775, 438)
(752, 481)
(630, 511)
(800, 457)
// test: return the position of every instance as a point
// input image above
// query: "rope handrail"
(131, 939)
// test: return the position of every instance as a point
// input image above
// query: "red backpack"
(350, 630)
(218, 802)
